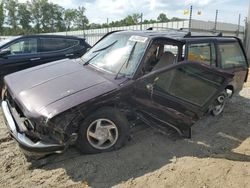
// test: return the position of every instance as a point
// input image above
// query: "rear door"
(53, 49)
(233, 59)
(179, 95)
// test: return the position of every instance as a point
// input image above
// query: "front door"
(23, 55)
(180, 94)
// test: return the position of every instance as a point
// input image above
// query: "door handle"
(35, 59)
(69, 55)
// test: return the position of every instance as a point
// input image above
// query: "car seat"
(167, 58)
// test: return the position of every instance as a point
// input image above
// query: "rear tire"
(219, 104)
(105, 130)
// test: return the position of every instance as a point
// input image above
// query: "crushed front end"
(34, 137)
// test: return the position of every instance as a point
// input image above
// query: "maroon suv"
(167, 78)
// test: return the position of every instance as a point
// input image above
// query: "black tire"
(112, 114)
(220, 104)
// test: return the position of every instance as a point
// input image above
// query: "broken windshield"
(112, 52)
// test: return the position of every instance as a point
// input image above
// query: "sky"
(98, 11)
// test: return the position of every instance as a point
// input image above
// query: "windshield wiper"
(87, 62)
(105, 47)
(130, 55)
(127, 61)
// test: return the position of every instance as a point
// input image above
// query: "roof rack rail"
(166, 28)
(220, 34)
(189, 34)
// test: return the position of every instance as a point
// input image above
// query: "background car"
(27, 51)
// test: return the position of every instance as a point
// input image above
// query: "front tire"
(105, 130)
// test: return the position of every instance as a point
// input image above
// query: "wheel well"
(91, 110)
(230, 87)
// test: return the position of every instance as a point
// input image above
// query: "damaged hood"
(55, 87)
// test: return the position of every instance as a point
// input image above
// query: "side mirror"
(4, 53)
(150, 88)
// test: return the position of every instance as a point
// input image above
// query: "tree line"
(41, 16)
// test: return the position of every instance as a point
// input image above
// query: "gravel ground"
(218, 155)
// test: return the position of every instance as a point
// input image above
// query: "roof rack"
(189, 34)
(166, 28)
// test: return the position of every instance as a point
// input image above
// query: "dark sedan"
(19, 53)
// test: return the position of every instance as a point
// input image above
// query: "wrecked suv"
(162, 78)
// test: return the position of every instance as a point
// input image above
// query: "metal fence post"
(215, 22)
(190, 18)
(107, 25)
(141, 21)
(238, 30)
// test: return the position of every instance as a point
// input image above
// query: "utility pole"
(238, 30)
(190, 18)
(245, 33)
(141, 20)
(215, 21)
(107, 25)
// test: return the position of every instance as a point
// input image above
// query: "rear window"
(231, 55)
(56, 44)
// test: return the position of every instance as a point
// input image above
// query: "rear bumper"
(31, 148)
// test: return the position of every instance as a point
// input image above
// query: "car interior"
(160, 55)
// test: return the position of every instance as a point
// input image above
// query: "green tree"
(81, 19)
(58, 17)
(146, 21)
(1, 18)
(136, 18)
(70, 16)
(35, 8)
(129, 20)
(162, 18)
(12, 18)
(47, 12)
(25, 17)
(94, 26)
(176, 19)
(54, 22)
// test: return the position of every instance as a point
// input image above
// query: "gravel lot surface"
(218, 155)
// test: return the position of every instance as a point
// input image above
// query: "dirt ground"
(218, 155)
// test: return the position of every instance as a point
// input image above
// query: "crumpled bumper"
(31, 148)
